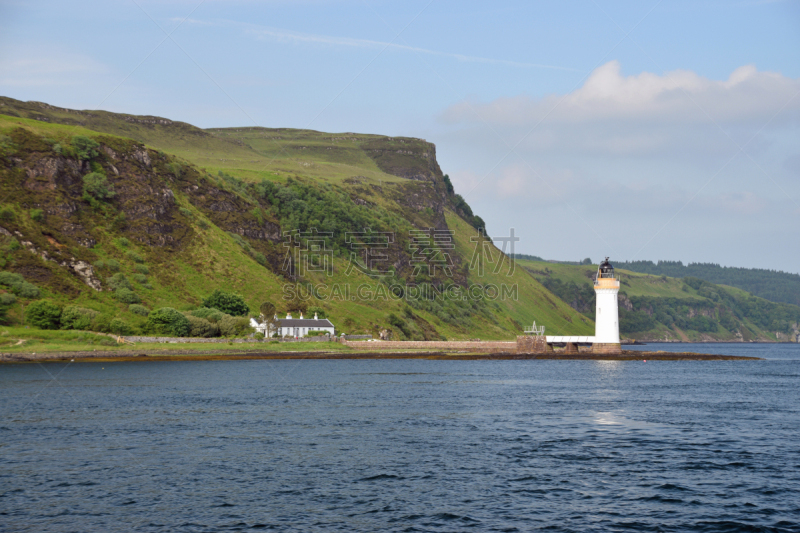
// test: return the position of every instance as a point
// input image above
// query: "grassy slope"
(633, 283)
(247, 153)
(555, 315)
(213, 260)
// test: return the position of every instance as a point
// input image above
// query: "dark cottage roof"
(304, 323)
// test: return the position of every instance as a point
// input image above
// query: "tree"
(85, 148)
(267, 317)
(120, 327)
(43, 314)
(202, 327)
(233, 326)
(320, 312)
(448, 185)
(266, 309)
(74, 317)
(95, 185)
(296, 304)
(227, 302)
(168, 321)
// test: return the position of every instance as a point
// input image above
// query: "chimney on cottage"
(301, 315)
(288, 315)
(315, 316)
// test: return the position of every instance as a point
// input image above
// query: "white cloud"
(678, 115)
(678, 97)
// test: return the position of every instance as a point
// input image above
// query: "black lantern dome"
(606, 269)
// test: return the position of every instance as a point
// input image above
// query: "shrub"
(120, 327)
(6, 301)
(18, 285)
(200, 327)
(119, 281)
(139, 278)
(85, 148)
(123, 242)
(43, 314)
(7, 146)
(175, 169)
(96, 185)
(26, 290)
(168, 321)
(136, 258)
(127, 296)
(37, 215)
(399, 323)
(9, 279)
(234, 326)
(212, 315)
(260, 258)
(113, 265)
(320, 312)
(227, 302)
(74, 317)
(142, 269)
(137, 309)
(102, 323)
(186, 212)
(6, 214)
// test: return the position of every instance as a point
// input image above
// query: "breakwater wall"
(477, 346)
(525, 344)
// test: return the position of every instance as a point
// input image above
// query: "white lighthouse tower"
(606, 321)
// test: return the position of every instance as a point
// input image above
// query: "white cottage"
(297, 327)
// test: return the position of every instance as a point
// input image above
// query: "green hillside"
(665, 308)
(772, 285)
(156, 213)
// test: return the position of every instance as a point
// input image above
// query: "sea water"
(404, 445)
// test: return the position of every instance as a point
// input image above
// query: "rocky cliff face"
(412, 159)
(144, 207)
(159, 203)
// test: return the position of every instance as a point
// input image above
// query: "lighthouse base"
(606, 348)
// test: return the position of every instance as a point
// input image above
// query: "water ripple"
(369, 446)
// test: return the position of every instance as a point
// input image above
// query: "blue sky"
(640, 130)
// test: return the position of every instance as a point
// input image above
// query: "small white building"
(296, 327)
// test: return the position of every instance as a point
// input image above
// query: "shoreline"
(176, 355)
